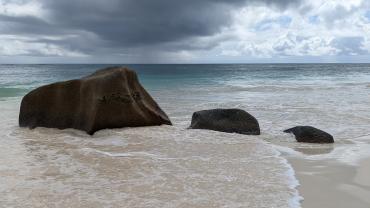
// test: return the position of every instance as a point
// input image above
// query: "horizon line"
(246, 63)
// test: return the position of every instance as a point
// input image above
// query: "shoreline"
(326, 182)
(332, 184)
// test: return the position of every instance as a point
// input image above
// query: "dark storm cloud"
(136, 23)
(96, 27)
(28, 25)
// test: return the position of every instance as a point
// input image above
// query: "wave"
(290, 87)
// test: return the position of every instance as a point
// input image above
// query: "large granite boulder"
(310, 134)
(226, 120)
(108, 98)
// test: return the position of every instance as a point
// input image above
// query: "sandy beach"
(329, 183)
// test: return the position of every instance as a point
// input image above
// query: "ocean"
(171, 166)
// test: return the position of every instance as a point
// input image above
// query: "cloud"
(118, 26)
(311, 34)
(159, 30)
(132, 23)
(350, 45)
(21, 8)
(15, 46)
(367, 15)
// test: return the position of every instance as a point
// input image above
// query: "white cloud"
(15, 46)
(328, 28)
(21, 8)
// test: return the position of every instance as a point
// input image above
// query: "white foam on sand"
(350, 152)
(140, 167)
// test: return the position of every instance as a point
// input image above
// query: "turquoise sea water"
(321, 94)
(174, 167)
(17, 78)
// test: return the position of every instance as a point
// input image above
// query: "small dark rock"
(310, 134)
(226, 120)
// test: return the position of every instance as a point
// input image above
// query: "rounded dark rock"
(310, 134)
(226, 120)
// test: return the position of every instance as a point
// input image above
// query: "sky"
(184, 31)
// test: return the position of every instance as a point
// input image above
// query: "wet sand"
(329, 183)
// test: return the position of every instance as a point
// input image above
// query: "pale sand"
(332, 184)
